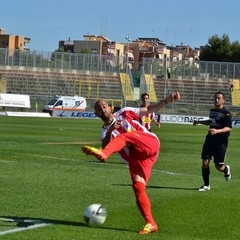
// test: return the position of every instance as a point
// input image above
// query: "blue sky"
(190, 22)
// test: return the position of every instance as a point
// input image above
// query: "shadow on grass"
(109, 162)
(160, 187)
(25, 222)
(174, 188)
(28, 221)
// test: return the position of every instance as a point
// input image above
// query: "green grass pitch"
(45, 178)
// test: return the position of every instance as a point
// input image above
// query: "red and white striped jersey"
(129, 118)
(146, 120)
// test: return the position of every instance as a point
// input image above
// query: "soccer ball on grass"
(95, 214)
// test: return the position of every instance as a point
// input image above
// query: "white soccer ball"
(95, 214)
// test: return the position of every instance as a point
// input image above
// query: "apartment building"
(11, 41)
(137, 50)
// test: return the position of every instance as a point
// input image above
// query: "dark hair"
(96, 105)
(219, 92)
(144, 94)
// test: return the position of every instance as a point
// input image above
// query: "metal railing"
(192, 69)
(60, 60)
(180, 69)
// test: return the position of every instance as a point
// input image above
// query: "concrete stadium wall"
(42, 84)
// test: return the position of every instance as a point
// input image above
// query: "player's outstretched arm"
(174, 96)
(203, 122)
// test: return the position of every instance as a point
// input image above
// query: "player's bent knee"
(138, 186)
(205, 163)
(219, 167)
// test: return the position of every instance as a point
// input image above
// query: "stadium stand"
(44, 83)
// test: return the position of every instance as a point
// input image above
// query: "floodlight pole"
(165, 81)
(127, 70)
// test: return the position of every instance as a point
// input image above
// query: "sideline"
(20, 229)
(97, 162)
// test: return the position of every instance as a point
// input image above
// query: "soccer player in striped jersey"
(122, 133)
(150, 117)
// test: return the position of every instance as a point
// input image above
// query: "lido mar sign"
(184, 119)
(14, 100)
(163, 118)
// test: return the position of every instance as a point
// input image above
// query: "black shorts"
(215, 150)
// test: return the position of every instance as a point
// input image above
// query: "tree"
(220, 49)
(235, 51)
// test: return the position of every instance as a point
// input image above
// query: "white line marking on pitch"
(35, 224)
(168, 172)
(57, 158)
(6, 161)
(67, 159)
(24, 228)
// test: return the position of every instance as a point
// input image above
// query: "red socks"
(143, 202)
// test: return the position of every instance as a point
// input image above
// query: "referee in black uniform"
(216, 142)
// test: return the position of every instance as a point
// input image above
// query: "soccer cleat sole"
(149, 228)
(94, 152)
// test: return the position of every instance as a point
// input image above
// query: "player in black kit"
(216, 142)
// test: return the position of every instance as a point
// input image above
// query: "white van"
(66, 103)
